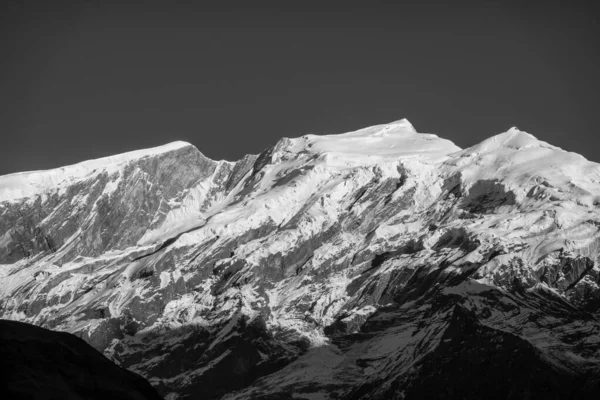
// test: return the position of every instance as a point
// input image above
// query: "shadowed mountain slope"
(42, 364)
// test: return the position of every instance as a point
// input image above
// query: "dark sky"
(86, 81)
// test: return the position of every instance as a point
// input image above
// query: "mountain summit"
(375, 264)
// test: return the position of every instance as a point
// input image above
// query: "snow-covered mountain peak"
(394, 140)
(516, 139)
(335, 266)
(405, 123)
(511, 139)
(521, 161)
(26, 184)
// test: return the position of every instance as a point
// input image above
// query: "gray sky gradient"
(89, 80)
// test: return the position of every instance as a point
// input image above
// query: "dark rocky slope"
(42, 364)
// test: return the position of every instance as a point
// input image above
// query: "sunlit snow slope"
(376, 264)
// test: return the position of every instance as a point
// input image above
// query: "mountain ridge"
(326, 266)
(88, 166)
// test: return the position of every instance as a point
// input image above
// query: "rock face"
(42, 364)
(375, 264)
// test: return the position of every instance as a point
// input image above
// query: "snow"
(518, 159)
(27, 184)
(165, 279)
(394, 140)
(321, 204)
(324, 182)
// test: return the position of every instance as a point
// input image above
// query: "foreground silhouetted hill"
(43, 364)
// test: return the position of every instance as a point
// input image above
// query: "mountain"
(376, 264)
(42, 364)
